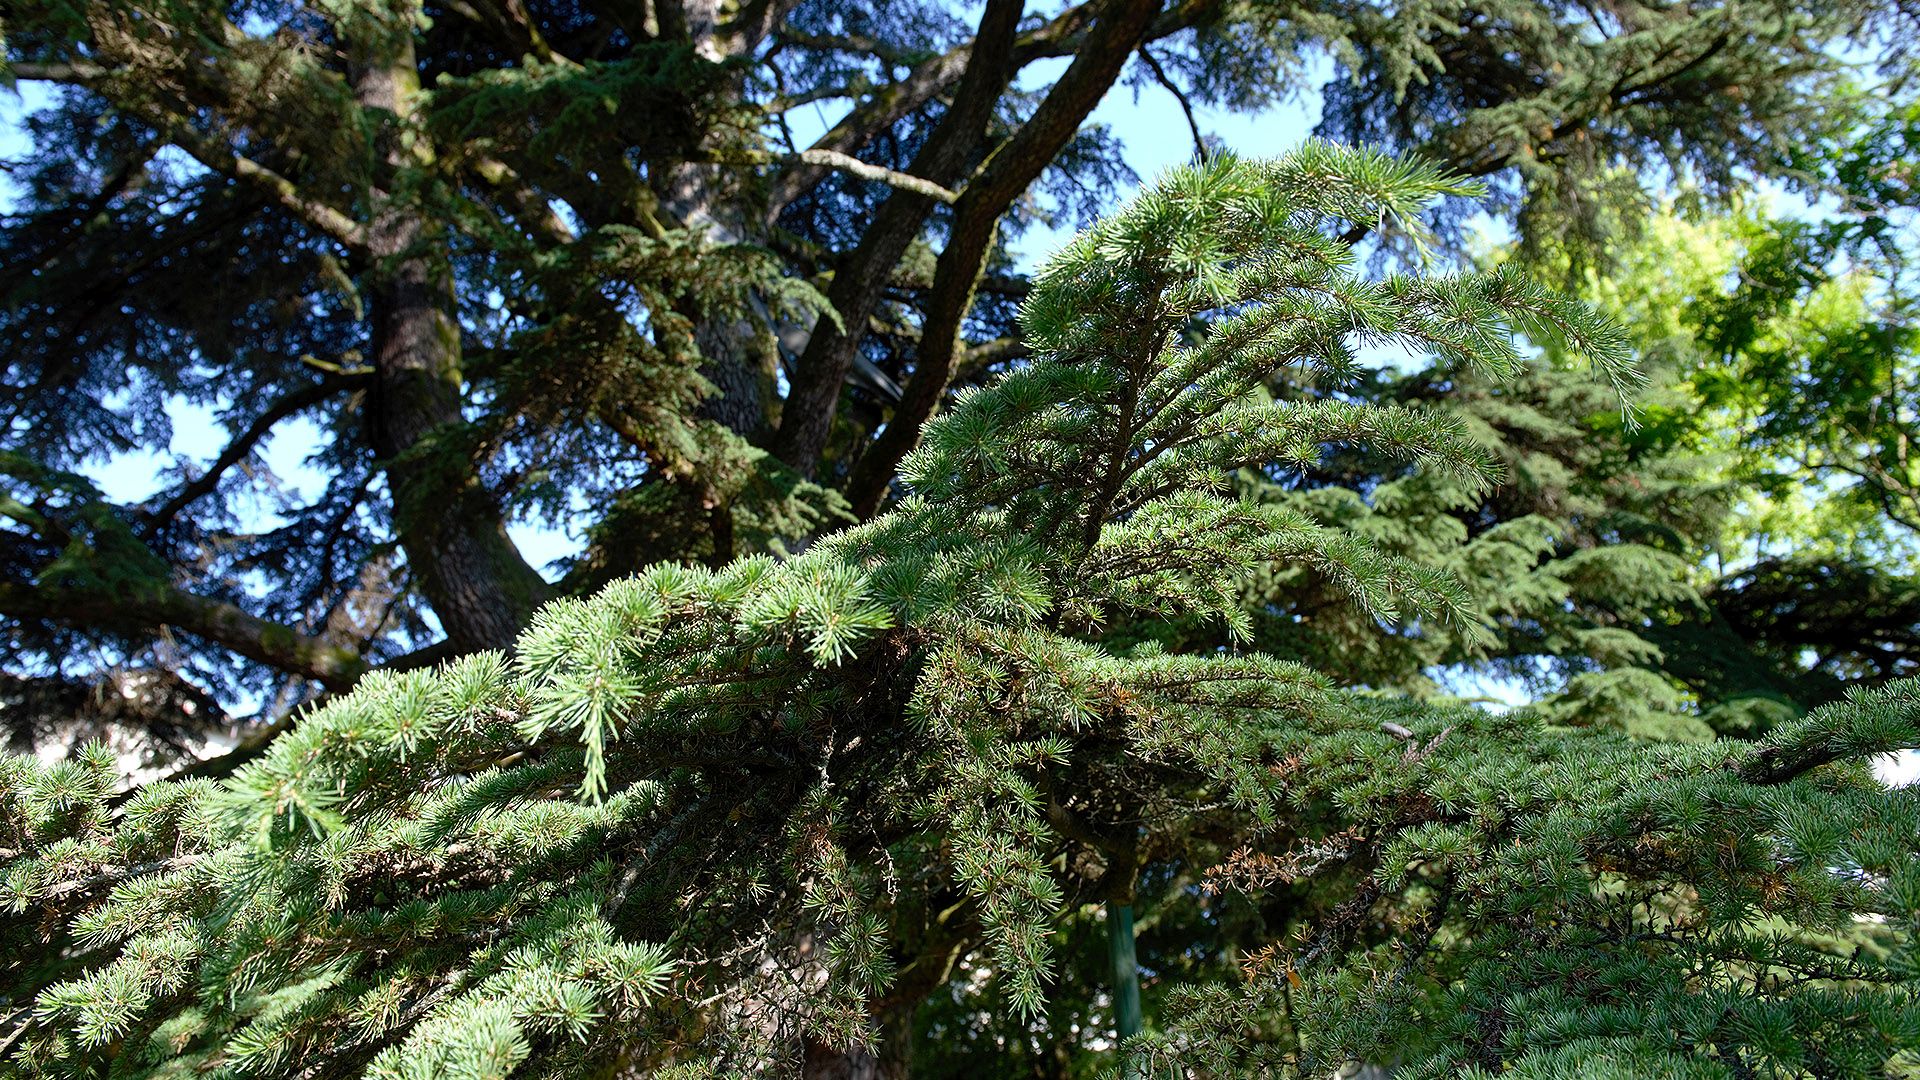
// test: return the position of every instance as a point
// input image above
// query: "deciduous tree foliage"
(709, 820)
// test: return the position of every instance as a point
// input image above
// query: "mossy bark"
(450, 526)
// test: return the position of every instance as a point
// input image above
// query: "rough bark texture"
(739, 359)
(215, 621)
(814, 398)
(449, 525)
(823, 1062)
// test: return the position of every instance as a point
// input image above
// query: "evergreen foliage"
(566, 262)
(706, 820)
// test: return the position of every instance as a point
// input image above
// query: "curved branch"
(201, 486)
(279, 647)
(814, 398)
(1186, 107)
(1123, 26)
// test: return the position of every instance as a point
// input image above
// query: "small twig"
(1193, 124)
(847, 163)
(115, 875)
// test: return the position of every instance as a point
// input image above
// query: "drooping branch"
(1186, 106)
(152, 607)
(522, 204)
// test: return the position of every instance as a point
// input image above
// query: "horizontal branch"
(110, 876)
(847, 163)
(148, 609)
(78, 71)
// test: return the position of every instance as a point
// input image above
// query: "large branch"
(75, 72)
(279, 647)
(315, 212)
(1006, 175)
(858, 286)
(1066, 34)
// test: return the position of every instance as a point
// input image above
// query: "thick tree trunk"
(740, 359)
(456, 543)
(892, 1059)
(823, 1062)
(739, 356)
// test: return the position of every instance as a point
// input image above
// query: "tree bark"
(814, 398)
(739, 357)
(279, 647)
(1123, 25)
(824, 1062)
(449, 525)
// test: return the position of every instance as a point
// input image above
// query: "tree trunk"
(739, 358)
(890, 1060)
(450, 527)
(823, 1062)
(1127, 1020)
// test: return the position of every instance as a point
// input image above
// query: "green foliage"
(230, 209)
(706, 814)
(1566, 905)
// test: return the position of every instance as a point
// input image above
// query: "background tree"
(575, 263)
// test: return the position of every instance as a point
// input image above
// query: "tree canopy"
(964, 671)
(723, 820)
(571, 263)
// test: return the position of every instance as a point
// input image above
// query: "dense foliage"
(743, 818)
(583, 263)
(860, 739)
